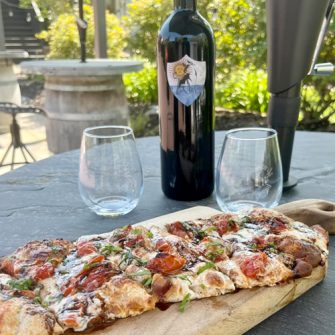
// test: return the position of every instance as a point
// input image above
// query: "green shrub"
(50, 8)
(244, 90)
(63, 37)
(239, 29)
(143, 21)
(318, 103)
(141, 87)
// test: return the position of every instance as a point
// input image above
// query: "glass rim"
(230, 132)
(129, 131)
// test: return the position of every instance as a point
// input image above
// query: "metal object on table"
(295, 31)
(16, 142)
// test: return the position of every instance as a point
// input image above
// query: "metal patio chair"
(16, 142)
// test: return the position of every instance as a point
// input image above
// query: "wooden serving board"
(231, 314)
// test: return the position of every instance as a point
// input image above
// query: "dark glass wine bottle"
(185, 61)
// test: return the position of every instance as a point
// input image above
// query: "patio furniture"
(41, 200)
(80, 95)
(16, 142)
(9, 86)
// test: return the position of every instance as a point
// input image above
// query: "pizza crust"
(21, 317)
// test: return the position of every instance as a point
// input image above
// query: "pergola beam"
(100, 36)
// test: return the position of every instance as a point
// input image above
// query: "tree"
(63, 38)
(50, 8)
(239, 29)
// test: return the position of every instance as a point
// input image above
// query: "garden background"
(241, 96)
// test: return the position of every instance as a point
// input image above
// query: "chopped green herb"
(127, 257)
(147, 282)
(56, 248)
(210, 229)
(185, 277)
(253, 246)
(214, 244)
(205, 267)
(213, 254)
(201, 234)
(231, 223)
(184, 303)
(88, 266)
(202, 285)
(109, 249)
(136, 231)
(53, 261)
(150, 234)
(50, 299)
(271, 245)
(141, 262)
(38, 300)
(21, 284)
(244, 220)
(140, 273)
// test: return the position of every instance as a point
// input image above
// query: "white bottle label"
(186, 79)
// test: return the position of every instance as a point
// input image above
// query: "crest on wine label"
(186, 79)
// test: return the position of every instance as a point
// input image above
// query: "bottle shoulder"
(185, 23)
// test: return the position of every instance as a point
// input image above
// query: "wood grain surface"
(230, 314)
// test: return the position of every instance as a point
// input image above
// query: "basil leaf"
(205, 267)
(88, 266)
(184, 303)
(150, 234)
(110, 248)
(140, 273)
(136, 231)
(185, 277)
(21, 284)
(147, 282)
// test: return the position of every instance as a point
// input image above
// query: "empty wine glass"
(249, 171)
(110, 172)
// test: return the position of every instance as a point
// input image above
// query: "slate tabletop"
(41, 200)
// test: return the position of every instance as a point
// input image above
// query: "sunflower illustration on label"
(186, 79)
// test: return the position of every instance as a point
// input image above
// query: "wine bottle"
(185, 62)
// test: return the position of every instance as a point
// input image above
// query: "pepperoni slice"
(277, 226)
(71, 320)
(134, 242)
(254, 265)
(177, 229)
(7, 266)
(85, 248)
(260, 242)
(95, 278)
(166, 264)
(44, 271)
(226, 225)
(163, 246)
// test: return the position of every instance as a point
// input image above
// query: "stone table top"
(41, 200)
(74, 68)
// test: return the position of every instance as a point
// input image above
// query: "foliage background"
(239, 29)
(62, 36)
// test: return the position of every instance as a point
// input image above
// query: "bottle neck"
(185, 4)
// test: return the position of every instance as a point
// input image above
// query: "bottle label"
(186, 79)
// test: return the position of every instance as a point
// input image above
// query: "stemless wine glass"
(249, 171)
(110, 172)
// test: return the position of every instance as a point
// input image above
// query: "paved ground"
(32, 134)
